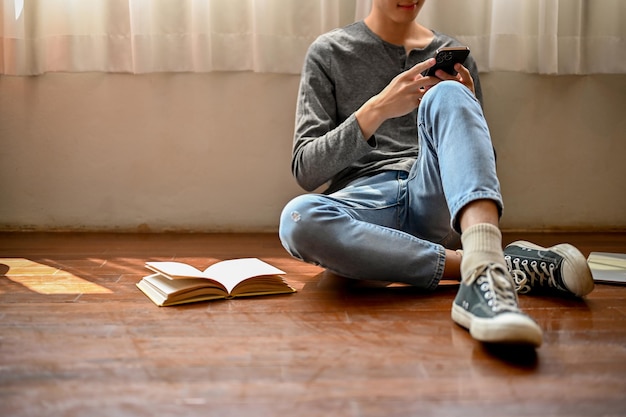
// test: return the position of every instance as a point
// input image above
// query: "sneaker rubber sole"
(507, 328)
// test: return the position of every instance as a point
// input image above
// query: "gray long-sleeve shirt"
(343, 69)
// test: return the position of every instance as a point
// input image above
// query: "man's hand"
(401, 96)
(463, 76)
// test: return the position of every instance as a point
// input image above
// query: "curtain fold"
(141, 36)
(533, 36)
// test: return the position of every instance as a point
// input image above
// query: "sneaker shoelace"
(498, 290)
(530, 273)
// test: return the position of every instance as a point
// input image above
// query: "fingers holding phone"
(446, 58)
(462, 75)
(449, 66)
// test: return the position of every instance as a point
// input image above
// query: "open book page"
(232, 272)
(226, 279)
(175, 270)
(229, 273)
(173, 286)
(262, 285)
(163, 291)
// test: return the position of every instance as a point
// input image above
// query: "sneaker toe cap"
(575, 271)
(513, 328)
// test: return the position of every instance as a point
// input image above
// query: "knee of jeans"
(444, 90)
(296, 229)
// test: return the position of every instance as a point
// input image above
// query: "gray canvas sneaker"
(560, 268)
(486, 305)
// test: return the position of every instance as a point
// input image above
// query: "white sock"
(482, 245)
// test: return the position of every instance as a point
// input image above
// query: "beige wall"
(561, 143)
(211, 152)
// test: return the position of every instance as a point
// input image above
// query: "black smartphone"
(446, 58)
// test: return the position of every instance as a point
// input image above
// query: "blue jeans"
(395, 225)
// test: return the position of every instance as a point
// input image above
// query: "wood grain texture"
(77, 338)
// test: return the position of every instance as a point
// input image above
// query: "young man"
(409, 168)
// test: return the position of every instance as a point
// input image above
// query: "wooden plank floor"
(78, 339)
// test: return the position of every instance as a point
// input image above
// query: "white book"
(177, 283)
(607, 267)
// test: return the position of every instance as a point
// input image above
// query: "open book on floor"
(608, 267)
(177, 283)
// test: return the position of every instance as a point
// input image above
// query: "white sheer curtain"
(139, 36)
(537, 36)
